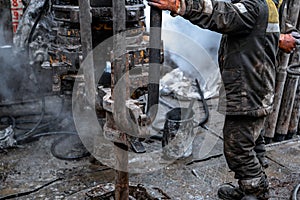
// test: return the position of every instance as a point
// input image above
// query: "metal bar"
(87, 47)
(287, 102)
(119, 37)
(286, 108)
(271, 120)
(120, 94)
(155, 60)
(6, 29)
(118, 70)
(293, 127)
(122, 177)
(85, 27)
(291, 14)
(276, 145)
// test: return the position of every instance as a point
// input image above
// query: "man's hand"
(172, 5)
(287, 43)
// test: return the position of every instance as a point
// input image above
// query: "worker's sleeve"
(222, 17)
(286, 26)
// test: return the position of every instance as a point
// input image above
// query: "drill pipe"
(119, 67)
(287, 102)
(155, 60)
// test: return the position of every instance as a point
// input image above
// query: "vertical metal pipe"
(291, 14)
(155, 61)
(287, 102)
(6, 29)
(122, 177)
(293, 8)
(286, 106)
(118, 70)
(85, 27)
(87, 47)
(293, 127)
(271, 120)
(119, 37)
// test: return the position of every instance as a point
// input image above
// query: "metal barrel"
(178, 133)
(289, 93)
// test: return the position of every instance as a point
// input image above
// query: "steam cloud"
(195, 53)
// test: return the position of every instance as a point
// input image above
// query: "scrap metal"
(7, 139)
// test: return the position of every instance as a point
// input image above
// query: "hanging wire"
(29, 133)
(39, 126)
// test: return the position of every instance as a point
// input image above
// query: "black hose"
(18, 195)
(29, 133)
(295, 193)
(30, 37)
(205, 106)
(27, 121)
(41, 126)
(17, 103)
(206, 110)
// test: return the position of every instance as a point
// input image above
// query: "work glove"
(287, 43)
(177, 7)
(296, 35)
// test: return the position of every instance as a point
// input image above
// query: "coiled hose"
(295, 192)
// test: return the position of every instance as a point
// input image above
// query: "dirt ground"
(31, 171)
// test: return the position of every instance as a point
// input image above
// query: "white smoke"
(192, 49)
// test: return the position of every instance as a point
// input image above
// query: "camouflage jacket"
(247, 52)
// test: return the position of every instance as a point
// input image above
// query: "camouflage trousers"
(243, 143)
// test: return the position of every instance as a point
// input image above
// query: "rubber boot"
(257, 188)
(229, 192)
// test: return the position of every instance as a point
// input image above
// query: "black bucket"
(178, 134)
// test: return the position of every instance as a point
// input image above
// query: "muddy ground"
(31, 171)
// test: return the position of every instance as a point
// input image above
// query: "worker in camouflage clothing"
(247, 60)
